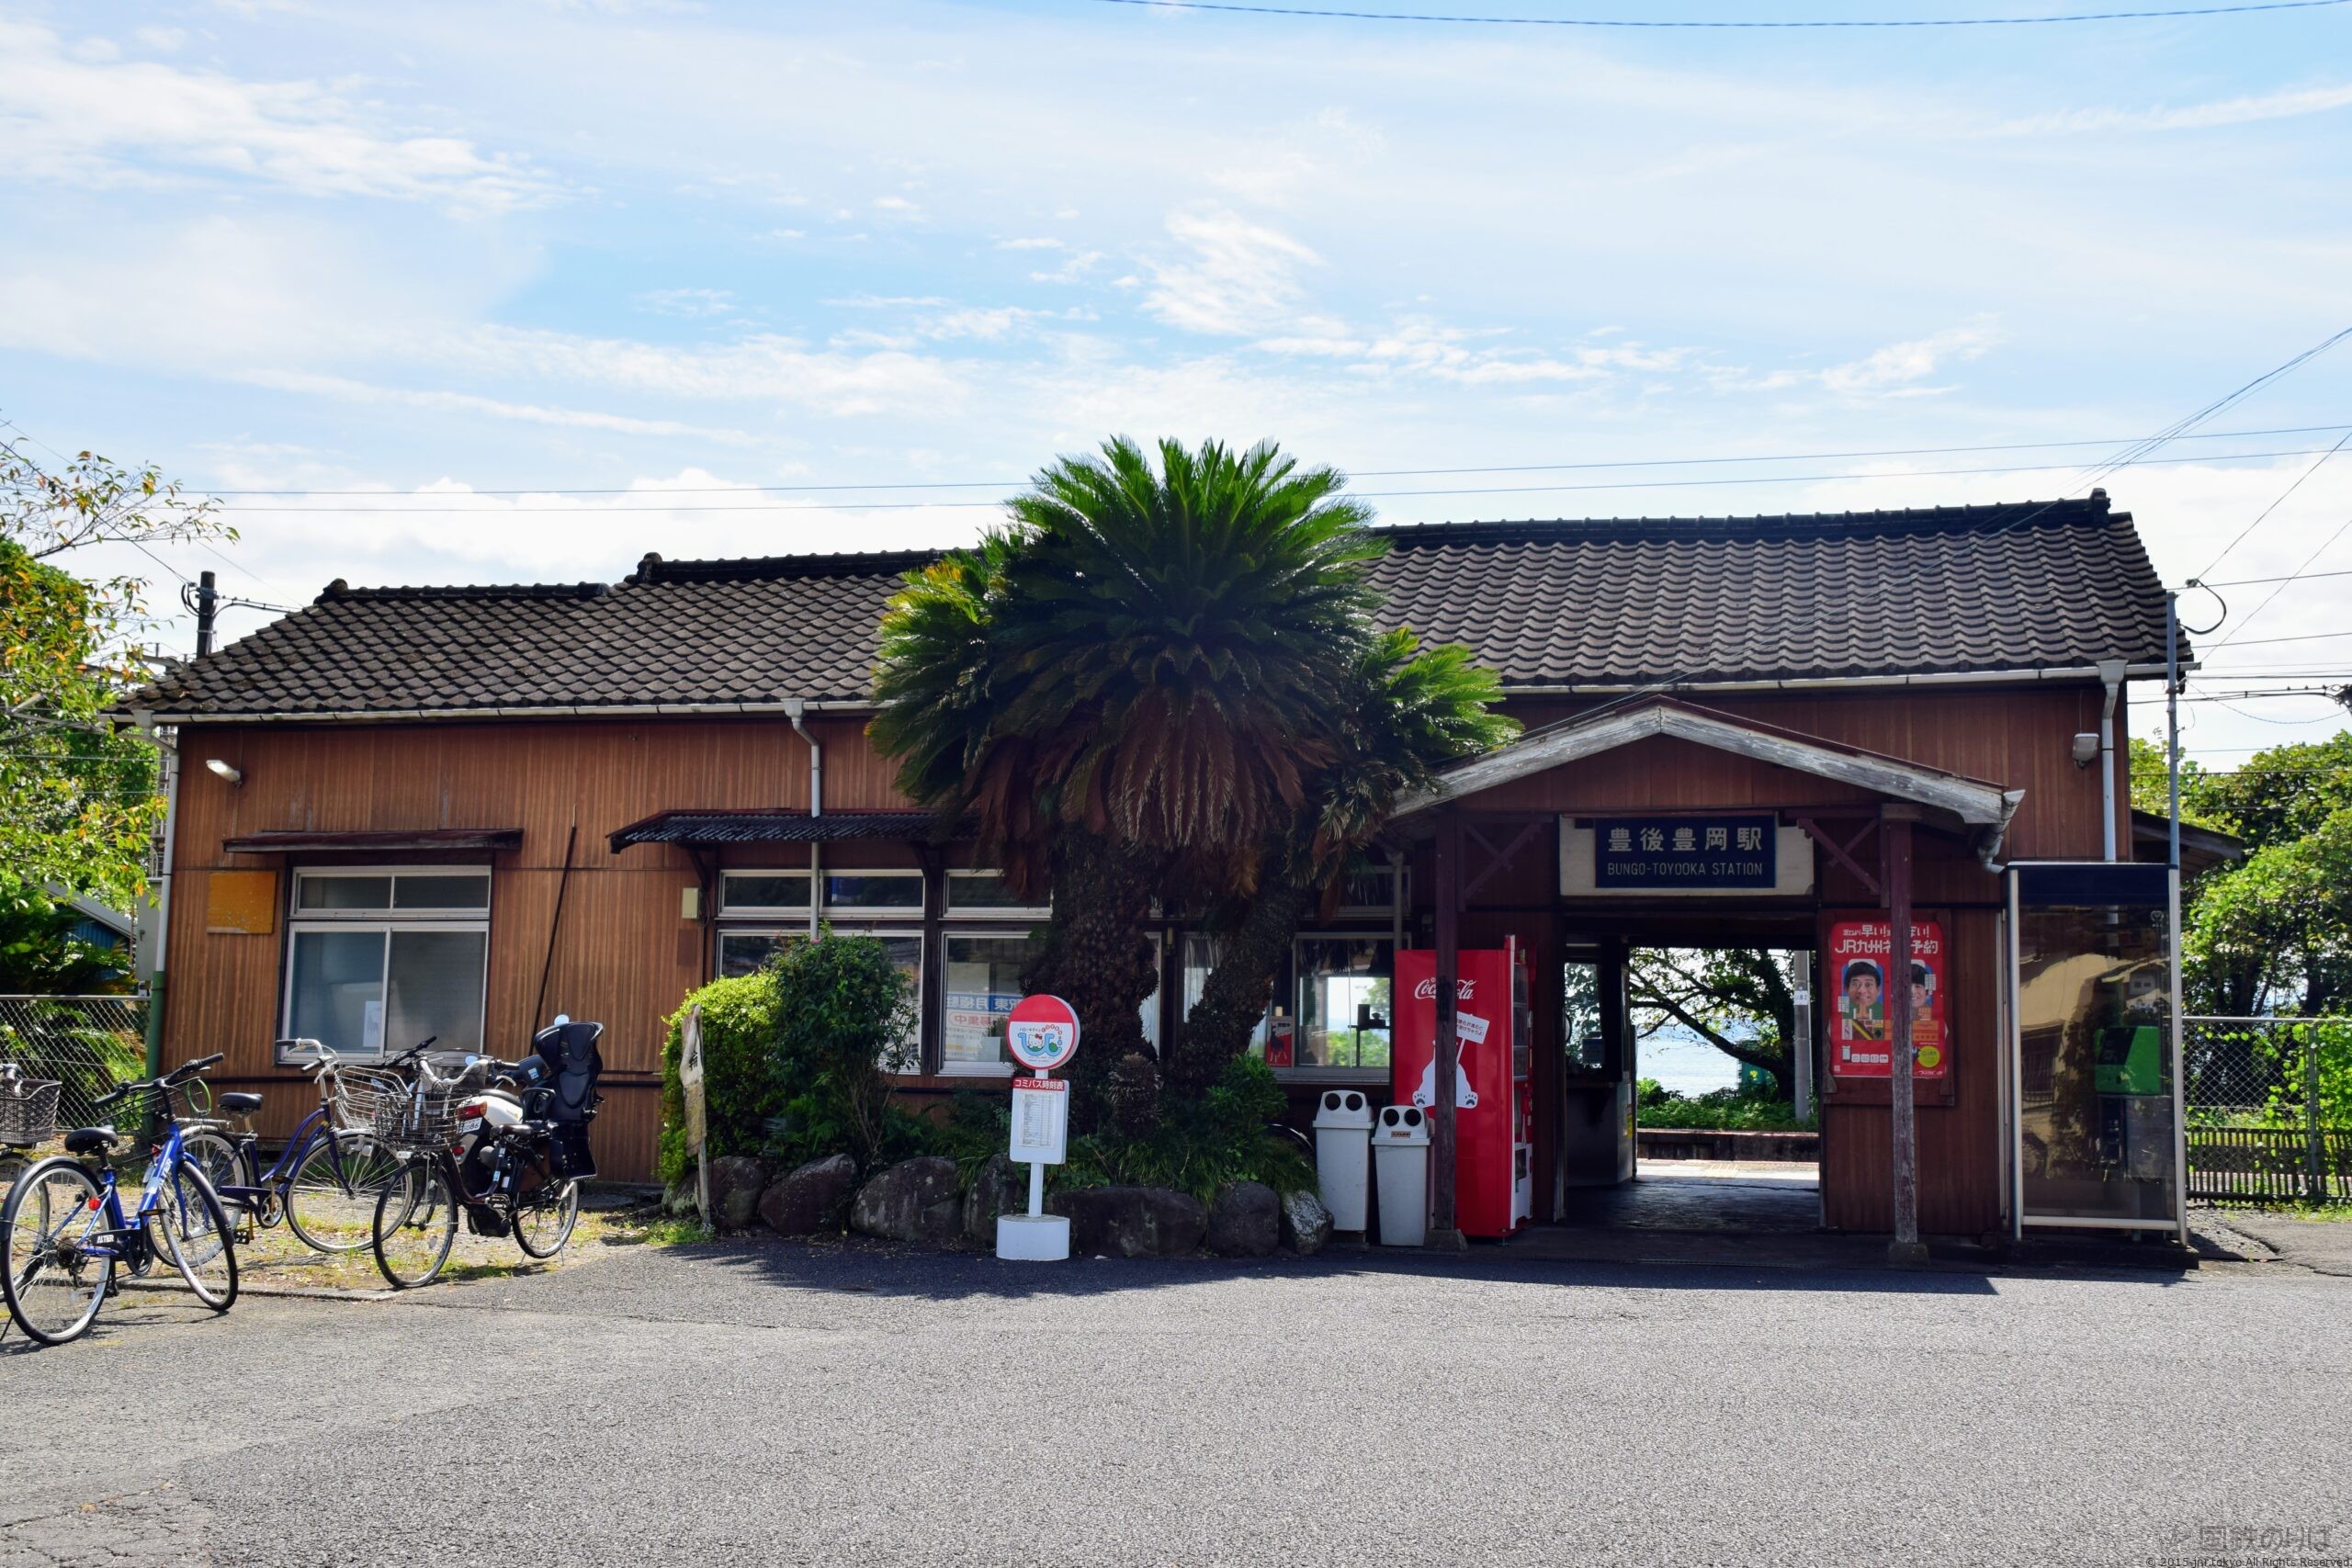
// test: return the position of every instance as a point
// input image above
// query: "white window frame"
(1302, 1073)
(873, 911)
(759, 911)
(1400, 879)
(999, 932)
(954, 910)
(384, 921)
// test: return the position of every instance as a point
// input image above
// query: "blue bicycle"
(325, 1181)
(64, 1233)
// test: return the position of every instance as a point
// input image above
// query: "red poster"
(1856, 963)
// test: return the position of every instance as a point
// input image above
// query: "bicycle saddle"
(90, 1140)
(240, 1104)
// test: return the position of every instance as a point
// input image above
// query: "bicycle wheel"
(545, 1207)
(54, 1266)
(415, 1224)
(195, 1231)
(330, 1199)
(214, 1154)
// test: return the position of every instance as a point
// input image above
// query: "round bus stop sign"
(1042, 1033)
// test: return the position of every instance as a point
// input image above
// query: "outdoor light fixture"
(222, 770)
(2086, 748)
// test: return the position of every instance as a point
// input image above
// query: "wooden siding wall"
(625, 957)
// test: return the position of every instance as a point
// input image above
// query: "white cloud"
(1238, 276)
(1899, 367)
(2287, 105)
(1034, 242)
(1071, 271)
(687, 301)
(310, 385)
(71, 118)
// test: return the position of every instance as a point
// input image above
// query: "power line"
(1684, 23)
(1363, 494)
(2290, 577)
(2274, 506)
(2249, 617)
(1355, 473)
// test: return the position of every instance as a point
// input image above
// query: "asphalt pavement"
(775, 1402)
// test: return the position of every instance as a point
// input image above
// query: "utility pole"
(207, 600)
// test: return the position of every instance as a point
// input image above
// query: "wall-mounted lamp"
(219, 769)
(2086, 748)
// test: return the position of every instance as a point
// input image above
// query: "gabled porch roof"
(1969, 806)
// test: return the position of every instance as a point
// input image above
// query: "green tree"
(2276, 931)
(40, 955)
(2151, 783)
(2278, 796)
(77, 799)
(1738, 1000)
(1154, 674)
(1409, 712)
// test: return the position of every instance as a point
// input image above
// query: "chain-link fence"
(85, 1045)
(2269, 1103)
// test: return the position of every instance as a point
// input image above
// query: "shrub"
(1201, 1145)
(1730, 1110)
(739, 1018)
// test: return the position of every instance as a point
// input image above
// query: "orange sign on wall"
(242, 903)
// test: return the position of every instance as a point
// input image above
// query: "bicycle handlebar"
(163, 1084)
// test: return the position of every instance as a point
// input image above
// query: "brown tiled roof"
(2024, 586)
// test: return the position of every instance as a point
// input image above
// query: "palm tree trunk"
(1234, 998)
(1096, 957)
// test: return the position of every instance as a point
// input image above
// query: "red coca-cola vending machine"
(1494, 1185)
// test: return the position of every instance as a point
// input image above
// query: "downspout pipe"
(2111, 674)
(795, 709)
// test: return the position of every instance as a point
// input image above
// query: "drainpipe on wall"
(160, 904)
(794, 709)
(2111, 674)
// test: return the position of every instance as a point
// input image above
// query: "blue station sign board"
(1682, 853)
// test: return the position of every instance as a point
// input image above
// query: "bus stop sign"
(1042, 1033)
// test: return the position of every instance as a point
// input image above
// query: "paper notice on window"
(371, 1025)
(1471, 1027)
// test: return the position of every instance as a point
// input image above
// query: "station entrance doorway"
(1686, 1075)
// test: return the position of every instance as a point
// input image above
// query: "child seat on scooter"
(565, 1093)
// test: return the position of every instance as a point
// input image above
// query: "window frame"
(951, 909)
(1302, 1073)
(728, 911)
(385, 922)
(899, 931)
(836, 912)
(999, 931)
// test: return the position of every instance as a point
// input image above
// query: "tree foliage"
(1162, 671)
(77, 799)
(1738, 1000)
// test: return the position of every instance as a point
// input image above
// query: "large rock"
(1131, 1221)
(1244, 1220)
(809, 1198)
(914, 1200)
(683, 1196)
(1000, 1187)
(736, 1181)
(1307, 1224)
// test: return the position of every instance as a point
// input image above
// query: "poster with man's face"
(1857, 960)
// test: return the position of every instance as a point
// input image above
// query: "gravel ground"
(775, 1402)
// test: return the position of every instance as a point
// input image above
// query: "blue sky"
(421, 252)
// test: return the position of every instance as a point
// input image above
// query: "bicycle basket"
(28, 1108)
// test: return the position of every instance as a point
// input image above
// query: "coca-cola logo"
(1427, 990)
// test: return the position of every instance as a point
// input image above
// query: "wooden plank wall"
(625, 957)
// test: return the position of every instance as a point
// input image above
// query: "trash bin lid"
(1345, 1108)
(1401, 1127)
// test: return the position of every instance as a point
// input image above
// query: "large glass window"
(2095, 1044)
(380, 959)
(1345, 1006)
(1581, 1040)
(988, 892)
(983, 981)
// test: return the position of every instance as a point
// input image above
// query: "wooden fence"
(2263, 1165)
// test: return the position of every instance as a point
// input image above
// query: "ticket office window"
(380, 958)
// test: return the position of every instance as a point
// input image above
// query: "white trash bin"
(1344, 1154)
(1401, 1147)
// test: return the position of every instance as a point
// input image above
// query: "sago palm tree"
(1148, 665)
(1411, 712)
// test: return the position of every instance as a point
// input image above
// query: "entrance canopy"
(1970, 808)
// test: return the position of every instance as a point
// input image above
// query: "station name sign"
(1725, 852)
(1683, 851)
